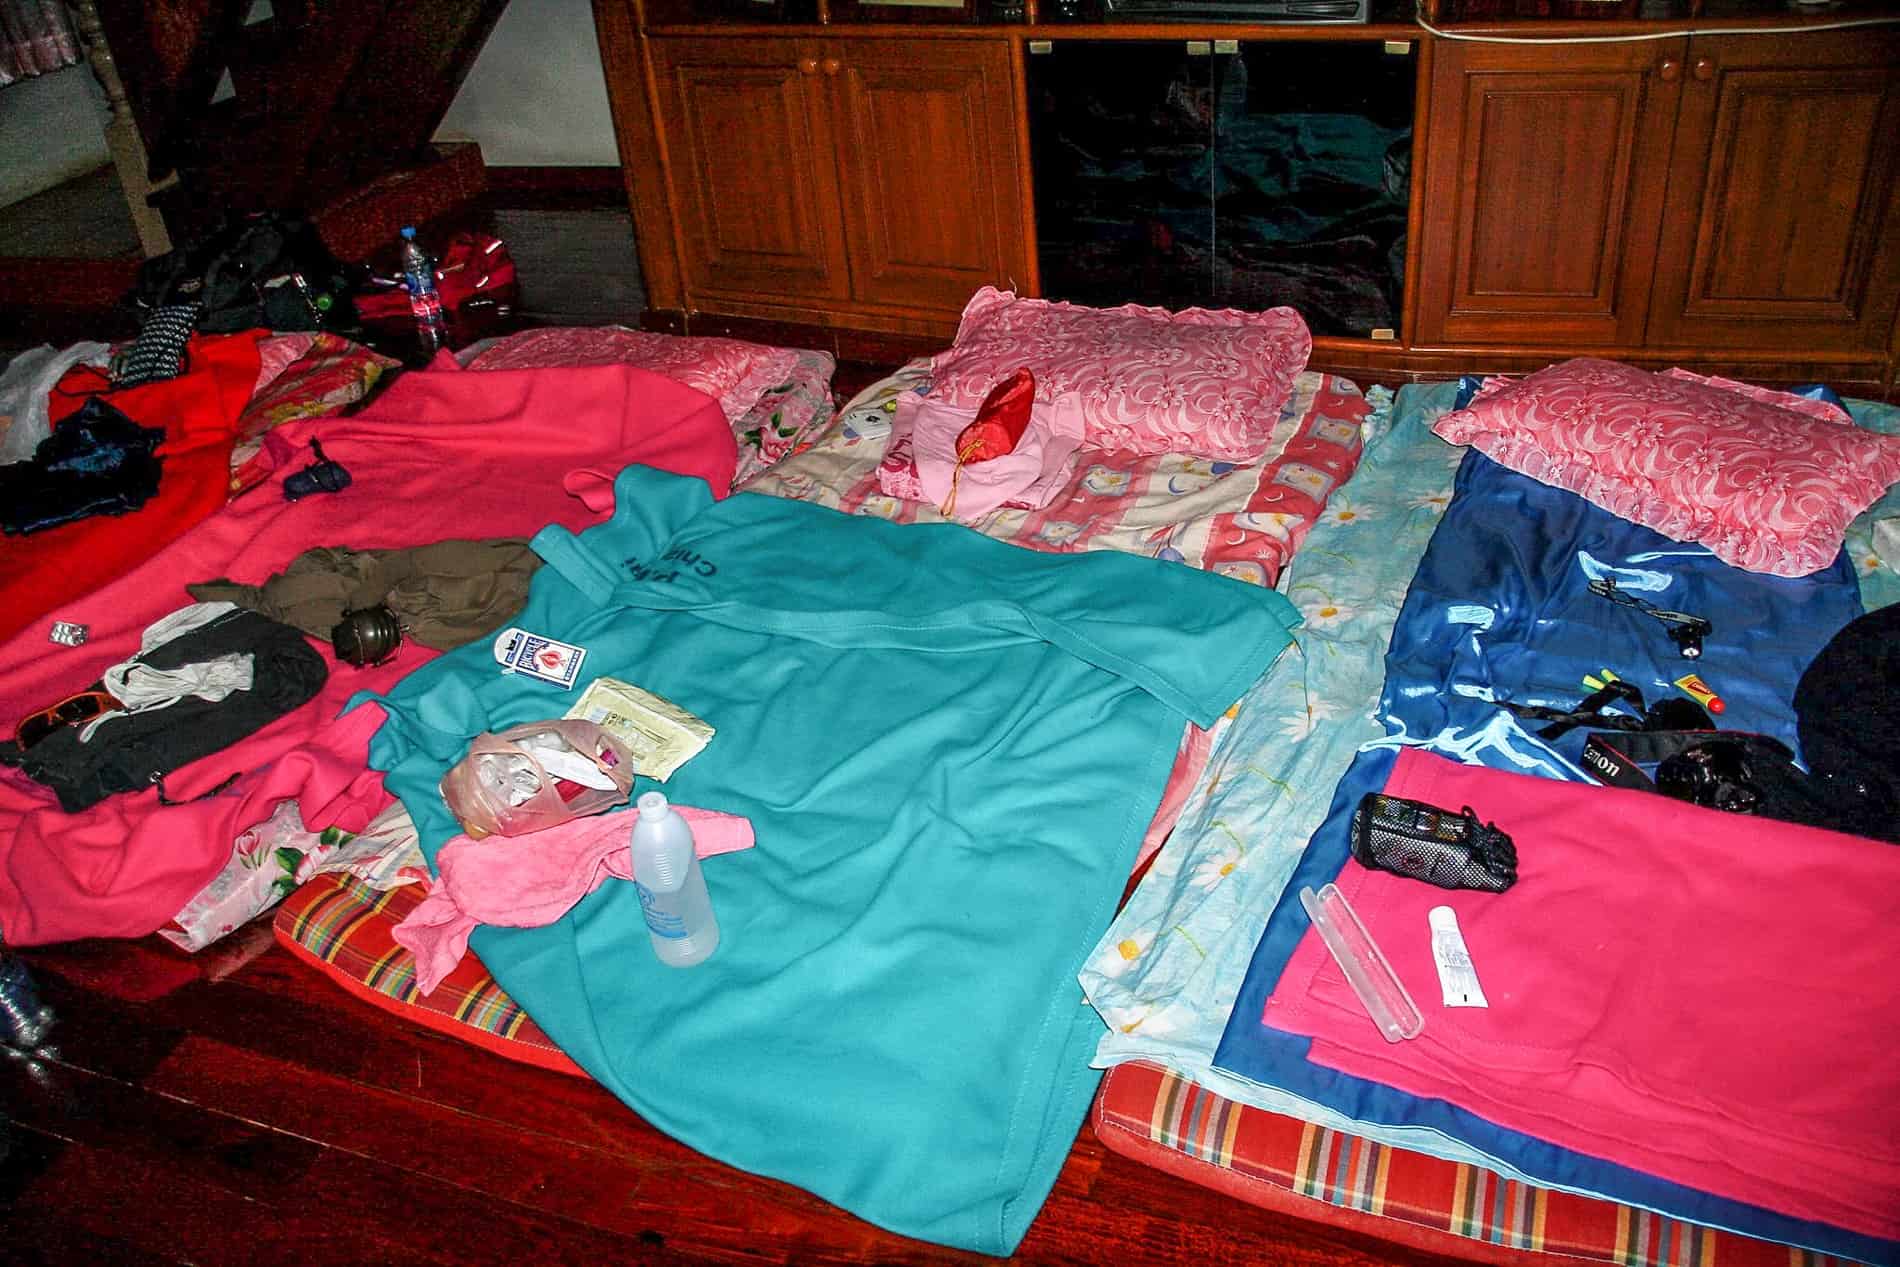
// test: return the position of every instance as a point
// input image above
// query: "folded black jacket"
(135, 751)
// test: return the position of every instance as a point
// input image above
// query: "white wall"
(536, 95)
(52, 128)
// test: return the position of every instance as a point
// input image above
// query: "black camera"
(1715, 773)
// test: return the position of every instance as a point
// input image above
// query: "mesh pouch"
(1422, 842)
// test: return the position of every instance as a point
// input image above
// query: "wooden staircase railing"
(258, 104)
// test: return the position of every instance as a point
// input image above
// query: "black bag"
(136, 751)
(263, 269)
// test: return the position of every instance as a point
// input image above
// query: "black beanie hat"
(1847, 709)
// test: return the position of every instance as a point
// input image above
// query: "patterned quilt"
(1243, 521)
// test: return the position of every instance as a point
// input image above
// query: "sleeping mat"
(1254, 1052)
(1501, 609)
(948, 748)
(1679, 989)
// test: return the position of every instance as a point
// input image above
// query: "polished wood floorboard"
(237, 1108)
(85, 217)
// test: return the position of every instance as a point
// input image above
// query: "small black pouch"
(1423, 842)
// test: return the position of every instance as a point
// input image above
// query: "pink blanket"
(440, 454)
(528, 881)
(1703, 996)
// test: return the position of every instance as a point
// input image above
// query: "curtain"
(35, 36)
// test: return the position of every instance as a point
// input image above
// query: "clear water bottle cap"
(652, 805)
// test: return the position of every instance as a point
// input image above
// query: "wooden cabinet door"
(929, 168)
(1544, 182)
(749, 157)
(1783, 185)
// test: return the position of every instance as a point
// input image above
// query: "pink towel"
(1707, 997)
(1029, 476)
(528, 881)
(439, 454)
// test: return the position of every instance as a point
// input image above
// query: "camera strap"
(1616, 758)
(1592, 711)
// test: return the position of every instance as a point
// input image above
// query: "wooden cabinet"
(754, 197)
(1543, 192)
(1719, 195)
(1785, 178)
(1729, 201)
(859, 180)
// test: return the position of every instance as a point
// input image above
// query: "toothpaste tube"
(1698, 690)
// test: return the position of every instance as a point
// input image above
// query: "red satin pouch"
(1001, 420)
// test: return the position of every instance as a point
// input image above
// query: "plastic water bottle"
(672, 889)
(418, 275)
(24, 1020)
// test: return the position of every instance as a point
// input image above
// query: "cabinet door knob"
(808, 65)
(833, 65)
(1704, 69)
(1670, 71)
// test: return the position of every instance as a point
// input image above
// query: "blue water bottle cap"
(409, 230)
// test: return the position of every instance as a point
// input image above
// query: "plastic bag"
(536, 775)
(25, 385)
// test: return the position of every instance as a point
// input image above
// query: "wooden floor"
(575, 255)
(237, 1108)
(84, 217)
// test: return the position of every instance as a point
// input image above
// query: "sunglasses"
(82, 707)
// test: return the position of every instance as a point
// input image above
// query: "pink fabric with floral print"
(324, 373)
(1204, 382)
(1826, 411)
(731, 371)
(1769, 485)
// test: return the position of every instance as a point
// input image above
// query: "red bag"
(473, 266)
(1000, 422)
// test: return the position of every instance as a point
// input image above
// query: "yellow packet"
(662, 735)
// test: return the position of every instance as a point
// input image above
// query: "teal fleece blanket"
(948, 748)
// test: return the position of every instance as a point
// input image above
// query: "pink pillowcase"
(733, 372)
(1765, 480)
(1210, 383)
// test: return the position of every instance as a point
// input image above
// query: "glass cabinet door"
(1122, 157)
(1312, 182)
(1224, 174)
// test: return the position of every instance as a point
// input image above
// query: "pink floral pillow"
(1210, 383)
(1766, 484)
(733, 372)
